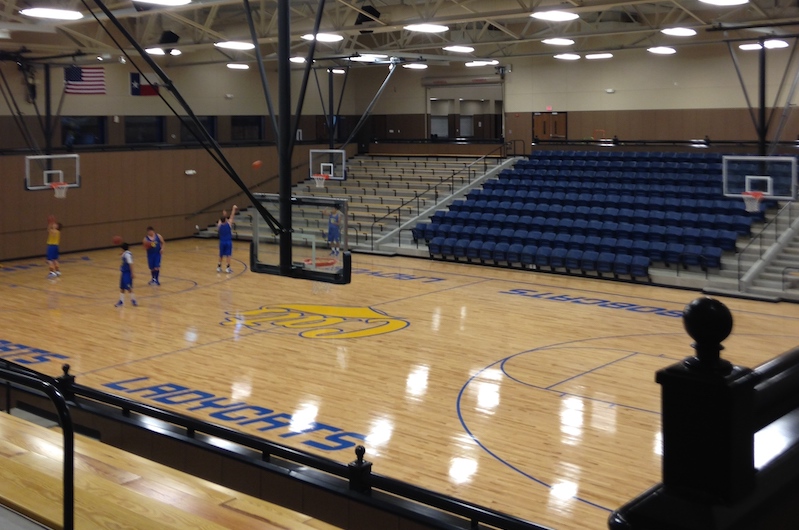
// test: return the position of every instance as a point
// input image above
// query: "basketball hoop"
(320, 179)
(320, 264)
(60, 189)
(752, 200)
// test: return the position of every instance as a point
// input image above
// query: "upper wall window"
(82, 130)
(189, 131)
(144, 129)
(246, 128)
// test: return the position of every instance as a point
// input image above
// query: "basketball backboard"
(774, 176)
(330, 162)
(41, 171)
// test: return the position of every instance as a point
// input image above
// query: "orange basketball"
(257, 164)
(147, 245)
(117, 240)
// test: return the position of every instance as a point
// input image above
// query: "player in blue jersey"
(154, 243)
(334, 230)
(126, 276)
(224, 228)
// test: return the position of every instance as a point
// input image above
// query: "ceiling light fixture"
(338, 71)
(492, 62)
(415, 66)
(167, 3)
(661, 50)
(323, 37)
(750, 46)
(555, 16)
(558, 41)
(297, 59)
(155, 51)
(54, 14)
(567, 56)
(592, 56)
(679, 32)
(725, 3)
(235, 45)
(427, 28)
(773, 44)
(458, 48)
(238, 66)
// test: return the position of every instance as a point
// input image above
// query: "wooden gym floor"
(527, 392)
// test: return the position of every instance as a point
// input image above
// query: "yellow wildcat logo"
(320, 321)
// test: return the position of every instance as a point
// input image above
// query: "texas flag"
(140, 85)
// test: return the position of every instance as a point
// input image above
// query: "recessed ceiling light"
(367, 58)
(591, 56)
(567, 56)
(297, 59)
(555, 16)
(175, 52)
(662, 50)
(338, 71)
(723, 3)
(492, 62)
(558, 41)
(168, 3)
(323, 37)
(459, 49)
(773, 44)
(55, 14)
(415, 66)
(427, 28)
(238, 66)
(750, 46)
(679, 32)
(155, 51)
(235, 45)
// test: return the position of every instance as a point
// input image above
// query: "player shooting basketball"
(53, 241)
(154, 244)
(224, 228)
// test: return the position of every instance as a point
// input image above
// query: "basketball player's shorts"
(154, 260)
(226, 248)
(333, 234)
(126, 282)
(52, 252)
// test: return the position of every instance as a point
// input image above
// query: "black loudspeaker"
(169, 37)
(363, 18)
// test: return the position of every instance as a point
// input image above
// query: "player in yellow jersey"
(53, 240)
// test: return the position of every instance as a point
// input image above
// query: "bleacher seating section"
(599, 213)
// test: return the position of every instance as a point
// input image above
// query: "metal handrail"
(759, 239)
(19, 375)
(449, 181)
(788, 272)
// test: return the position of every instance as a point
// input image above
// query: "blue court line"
(437, 291)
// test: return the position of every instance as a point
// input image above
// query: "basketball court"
(527, 392)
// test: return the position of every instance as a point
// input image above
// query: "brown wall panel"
(124, 191)
(519, 126)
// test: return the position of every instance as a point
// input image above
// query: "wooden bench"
(113, 487)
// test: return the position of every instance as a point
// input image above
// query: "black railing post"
(359, 470)
(707, 405)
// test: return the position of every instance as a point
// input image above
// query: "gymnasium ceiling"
(497, 29)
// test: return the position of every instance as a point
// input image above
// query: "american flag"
(84, 80)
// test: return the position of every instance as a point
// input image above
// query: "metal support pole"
(284, 132)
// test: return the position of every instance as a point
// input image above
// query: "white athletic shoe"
(219, 269)
(58, 273)
(228, 270)
(52, 274)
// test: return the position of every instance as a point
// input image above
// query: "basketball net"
(752, 200)
(320, 179)
(60, 189)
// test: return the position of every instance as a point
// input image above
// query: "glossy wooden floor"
(530, 393)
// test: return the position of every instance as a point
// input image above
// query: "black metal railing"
(19, 375)
(355, 476)
(756, 244)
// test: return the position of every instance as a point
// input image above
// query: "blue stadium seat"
(588, 261)
(448, 247)
(528, 255)
(561, 240)
(473, 219)
(493, 234)
(501, 253)
(609, 229)
(487, 251)
(547, 239)
(708, 237)
(573, 259)
(657, 217)
(468, 232)
(623, 265)
(595, 213)
(456, 231)
(711, 257)
(673, 219)
(459, 250)
(691, 236)
(604, 263)
(610, 213)
(480, 233)
(641, 231)
(551, 224)
(418, 231)
(624, 230)
(607, 244)
(640, 247)
(435, 246)
(514, 255)
(692, 256)
(690, 220)
(594, 228)
(657, 251)
(742, 224)
(591, 243)
(657, 233)
(580, 226)
(505, 235)
(542, 256)
(430, 231)
(673, 253)
(623, 246)
(576, 241)
(727, 240)
(565, 225)
(473, 250)
(519, 236)
(673, 234)
(511, 221)
(640, 267)
(557, 260)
